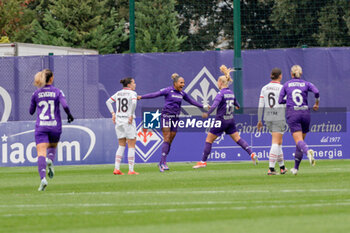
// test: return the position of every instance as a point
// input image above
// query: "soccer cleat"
(165, 167)
(132, 173)
(254, 158)
(51, 171)
(294, 171)
(283, 171)
(200, 164)
(43, 185)
(310, 155)
(161, 167)
(117, 172)
(271, 173)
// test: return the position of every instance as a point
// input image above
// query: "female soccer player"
(170, 113)
(225, 102)
(274, 117)
(124, 120)
(48, 125)
(298, 114)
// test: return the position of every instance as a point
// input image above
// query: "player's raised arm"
(156, 94)
(192, 101)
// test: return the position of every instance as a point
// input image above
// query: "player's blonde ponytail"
(226, 78)
(175, 77)
(39, 79)
(296, 71)
(42, 77)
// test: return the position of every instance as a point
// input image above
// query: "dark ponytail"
(275, 73)
(126, 81)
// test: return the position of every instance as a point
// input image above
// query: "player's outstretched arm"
(192, 101)
(154, 94)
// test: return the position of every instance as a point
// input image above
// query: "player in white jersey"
(125, 125)
(274, 117)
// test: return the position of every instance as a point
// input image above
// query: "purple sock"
(51, 153)
(206, 152)
(302, 146)
(244, 146)
(42, 166)
(165, 151)
(297, 157)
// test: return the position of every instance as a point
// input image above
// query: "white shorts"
(126, 130)
(276, 126)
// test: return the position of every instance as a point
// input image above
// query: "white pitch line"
(173, 210)
(88, 205)
(160, 192)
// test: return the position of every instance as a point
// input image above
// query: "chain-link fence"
(208, 24)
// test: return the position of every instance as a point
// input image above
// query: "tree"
(80, 23)
(15, 18)
(296, 22)
(333, 30)
(156, 26)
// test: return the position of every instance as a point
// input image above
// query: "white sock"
(131, 158)
(274, 151)
(119, 156)
(280, 158)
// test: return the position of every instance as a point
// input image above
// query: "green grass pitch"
(224, 197)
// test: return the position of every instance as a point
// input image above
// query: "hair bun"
(174, 76)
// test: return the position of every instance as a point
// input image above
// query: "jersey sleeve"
(192, 101)
(109, 102)
(261, 105)
(133, 103)
(281, 99)
(314, 89)
(32, 105)
(162, 92)
(63, 102)
(217, 100)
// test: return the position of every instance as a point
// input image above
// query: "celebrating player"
(125, 125)
(225, 102)
(48, 125)
(298, 114)
(274, 117)
(170, 113)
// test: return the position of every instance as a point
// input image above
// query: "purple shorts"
(229, 127)
(47, 137)
(170, 121)
(299, 121)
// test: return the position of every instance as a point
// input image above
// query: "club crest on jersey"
(148, 142)
(7, 103)
(151, 120)
(203, 89)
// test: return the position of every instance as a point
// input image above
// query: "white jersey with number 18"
(125, 102)
(268, 103)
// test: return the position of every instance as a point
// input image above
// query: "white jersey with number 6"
(268, 103)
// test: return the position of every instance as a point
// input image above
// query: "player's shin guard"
(297, 158)
(273, 155)
(244, 146)
(165, 151)
(119, 156)
(206, 152)
(51, 153)
(131, 159)
(42, 166)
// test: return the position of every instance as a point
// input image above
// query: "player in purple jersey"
(225, 102)
(170, 113)
(298, 113)
(48, 125)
